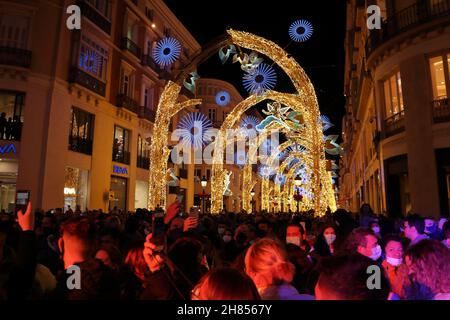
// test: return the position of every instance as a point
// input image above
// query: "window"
(149, 13)
(143, 152)
(14, 31)
(208, 174)
(148, 97)
(198, 173)
(121, 145)
(102, 6)
(93, 58)
(393, 96)
(440, 74)
(212, 115)
(126, 82)
(81, 131)
(11, 117)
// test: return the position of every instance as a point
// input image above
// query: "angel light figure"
(276, 116)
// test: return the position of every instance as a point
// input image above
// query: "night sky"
(322, 56)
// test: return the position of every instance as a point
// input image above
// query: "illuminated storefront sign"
(8, 148)
(120, 170)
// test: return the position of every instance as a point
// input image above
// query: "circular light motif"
(167, 51)
(262, 79)
(301, 30)
(280, 179)
(193, 129)
(266, 171)
(248, 126)
(223, 98)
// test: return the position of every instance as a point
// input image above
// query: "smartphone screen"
(158, 230)
(22, 198)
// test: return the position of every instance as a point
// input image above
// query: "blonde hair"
(268, 258)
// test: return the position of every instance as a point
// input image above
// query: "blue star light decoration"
(194, 130)
(266, 171)
(248, 126)
(223, 98)
(325, 122)
(263, 78)
(167, 51)
(280, 179)
(300, 30)
(90, 61)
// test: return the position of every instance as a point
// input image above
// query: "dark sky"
(322, 56)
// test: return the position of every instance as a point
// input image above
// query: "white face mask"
(293, 240)
(226, 239)
(394, 261)
(376, 229)
(221, 230)
(330, 238)
(376, 253)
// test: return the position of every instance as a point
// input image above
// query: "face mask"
(330, 238)
(431, 229)
(221, 230)
(376, 229)
(293, 240)
(394, 261)
(226, 239)
(376, 253)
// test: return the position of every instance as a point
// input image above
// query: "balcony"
(86, 80)
(81, 145)
(15, 57)
(94, 16)
(143, 162)
(127, 44)
(441, 110)
(394, 124)
(148, 61)
(121, 156)
(123, 101)
(405, 20)
(146, 113)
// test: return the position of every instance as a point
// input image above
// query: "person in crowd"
(363, 241)
(394, 266)
(414, 228)
(9, 129)
(344, 277)
(324, 244)
(228, 248)
(375, 227)
(133, 273)
(265, 229)
(366, 215)
(446, 234)
(76, 245)
(431, 229)
(110, 255)
(268, 265)
(225, 284)
(428, 263)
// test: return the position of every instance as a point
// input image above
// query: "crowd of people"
(231, 256)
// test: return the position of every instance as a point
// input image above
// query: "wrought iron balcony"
(147, 113)
(127, 44)
(406, 19)
(79, 144)
(394, 124)
(148, 61)
(86, 80)
(441, 110)
(96, 17)
(123, 101)
(15, 57)
(121, 156)
(143, 162)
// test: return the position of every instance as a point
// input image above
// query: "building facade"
(397, 126)
(77, 106)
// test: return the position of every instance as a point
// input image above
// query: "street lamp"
(298, 181)
(204, 183)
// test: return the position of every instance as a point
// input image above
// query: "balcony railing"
(96, 17)
(441, 110)
(143, 162)
(79, 144)
(127, 44)
(121, 156)
(15, 57)
(123, 101)
(148, 61)
(406, 19)
(394, 124)
(147, 113)
(86, 80)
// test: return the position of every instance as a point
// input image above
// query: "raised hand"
(172, 212)
(26, 220)
(153, 259)
(190, 223)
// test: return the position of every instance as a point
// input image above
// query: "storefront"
(75, 188)
(119, 188)
(8, 179)
(141, 194)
